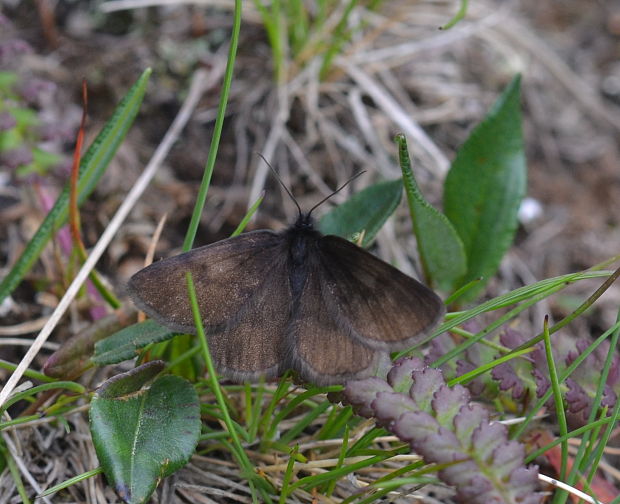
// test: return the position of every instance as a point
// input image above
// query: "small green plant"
(482, 194)
(25, 137)
(444, 403)
(298, 33)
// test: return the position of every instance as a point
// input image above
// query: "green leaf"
(366, 211)
(44, 159)
(11, 139)
(143, 435)
(485, 186)
(7, 81)
(124, 344)
(24, 117)
(93, 166)
(441, 250)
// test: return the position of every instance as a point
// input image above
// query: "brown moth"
(296, 299)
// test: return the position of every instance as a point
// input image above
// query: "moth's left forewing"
(227, 274)
(384, 308)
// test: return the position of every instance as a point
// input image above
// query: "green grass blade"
(597, 454)
(594, 459)
(460, 14)
(251, 211)
(254, 417)
(365, 441)
(14, 470)
(461, 291)
(29, 373)
(467, 377)
(274, 24)
(318, 479)
(572, 434)
(495, 325)
(581, 309)
(554, 287)
(217, 132)
(591, 457)
(288, 474)
(68, 385)
(71, 481)
(238, 450)
(267, 419)
(18, 421)
(340, 35)
(92, 167)
(336, 423)
(297, 17)
(557, 396)
(293, 404)
(304, 422)
(341, 456)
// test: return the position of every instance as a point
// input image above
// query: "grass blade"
(217, 132)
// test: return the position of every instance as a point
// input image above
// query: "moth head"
(304, 221)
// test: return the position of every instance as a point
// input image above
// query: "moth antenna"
(275, 173)
(336, 191)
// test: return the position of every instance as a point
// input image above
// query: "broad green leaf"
(124, 344)
(92, 167)
(365, 211)
(142, 435)
(485, 186)
(441, 250)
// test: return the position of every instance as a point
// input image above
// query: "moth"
(297, 299)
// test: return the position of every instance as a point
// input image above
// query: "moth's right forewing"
(226, 275)
(383, 308)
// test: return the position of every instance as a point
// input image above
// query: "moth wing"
(381, 307)
(227, 274)
(320, 347)
(251, 344)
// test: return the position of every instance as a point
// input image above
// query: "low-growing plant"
(450, 405)
(300, 32)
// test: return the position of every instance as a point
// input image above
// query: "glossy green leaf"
(441, 250)
(124, 344)
(92, 167)
(142, 435)
(485, 186)
(365, 211)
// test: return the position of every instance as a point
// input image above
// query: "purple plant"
(530, 374)
(519, 382)
(442, 425)
(31, 119)
(482, 386)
